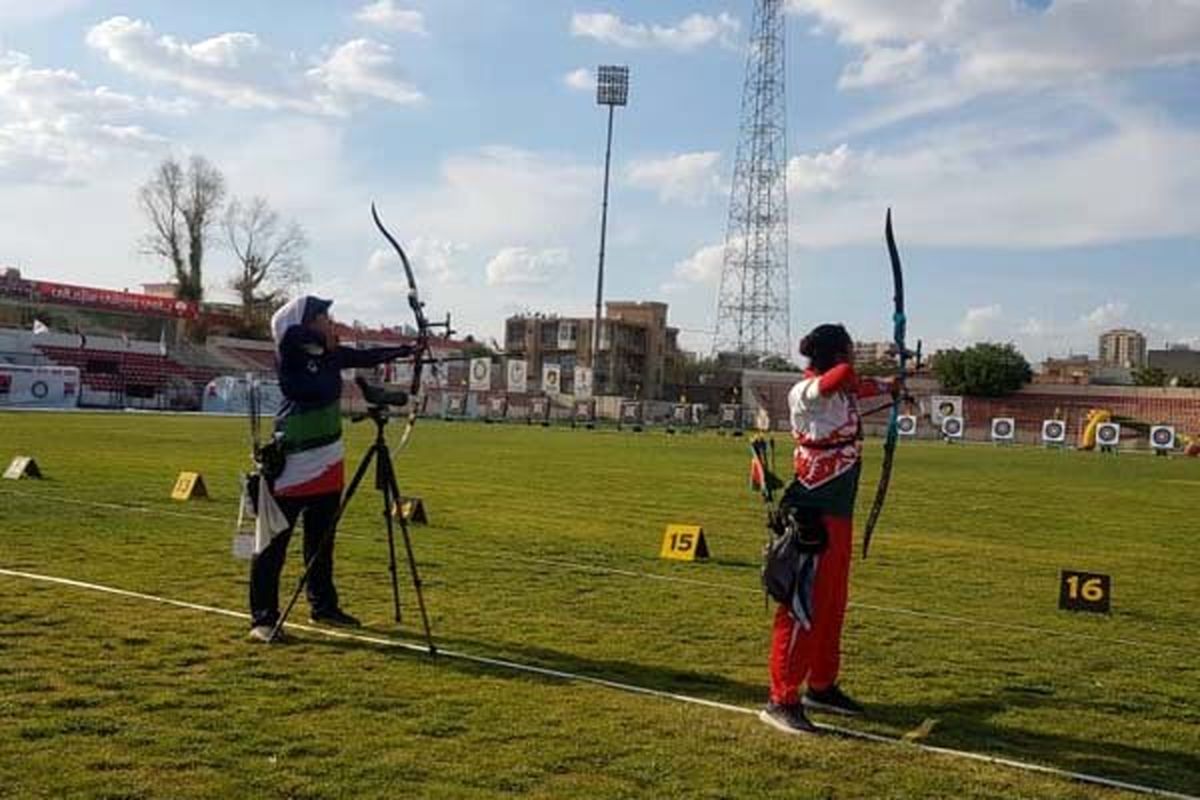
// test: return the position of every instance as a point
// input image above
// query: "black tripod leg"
(325, 539)
(385, 481)
(390, 476)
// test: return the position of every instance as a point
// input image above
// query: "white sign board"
(551, 374)
(566, 336)
(481, 374)
(942, 406)
(583, 381)
(518, 376)
(39, 387)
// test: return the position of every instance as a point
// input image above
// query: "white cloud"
(521, 265)
(55, 127)
(980, 47)
(238, 69)
(689, 178)
(434, 260)
(995, 183)
(821, 172)
(980, 321)
(703, 266)
(437, 258)
(883, 65)
(581, 80)
(17, 11)
(1106, 315)
(363, 68)
(690, 33)
(385, 14)
(495, 195)
(1033, 328)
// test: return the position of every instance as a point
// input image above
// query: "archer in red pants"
(806, 648)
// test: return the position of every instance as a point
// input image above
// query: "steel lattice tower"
(753, 316)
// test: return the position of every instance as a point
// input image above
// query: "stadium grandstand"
(66, 345)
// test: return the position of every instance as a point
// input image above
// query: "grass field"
(543, 550)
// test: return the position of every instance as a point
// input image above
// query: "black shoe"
(261, 634)
(833, 700)
(336, 618)
(789, 719)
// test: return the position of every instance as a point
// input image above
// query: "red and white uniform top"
(826, 425)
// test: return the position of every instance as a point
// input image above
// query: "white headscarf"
(289, 315)
(295, 312)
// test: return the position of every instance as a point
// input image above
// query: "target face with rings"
(906, 425)
(1054, 431)
(952, 426)
(1002, 428)
(1163, 437)
(480, 369)
(1108, 433)
(39, 389)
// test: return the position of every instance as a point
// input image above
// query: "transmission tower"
(753, 317)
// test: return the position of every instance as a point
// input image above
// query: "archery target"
(952, 427)
(550, 378)
(481, 374)
(1054, 431)
(1108, 434)
(1162, 437)
(1004, 429)
(906, 425)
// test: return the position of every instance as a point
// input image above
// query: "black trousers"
(320, 514)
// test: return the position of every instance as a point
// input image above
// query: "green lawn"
(542, 549)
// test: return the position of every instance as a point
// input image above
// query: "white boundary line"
(629, 688)
(602, 569)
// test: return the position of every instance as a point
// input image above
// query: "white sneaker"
(262, 635)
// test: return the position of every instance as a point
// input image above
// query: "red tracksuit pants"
(815, 655)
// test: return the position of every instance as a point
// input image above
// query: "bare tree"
(182, 206)
(270, 256)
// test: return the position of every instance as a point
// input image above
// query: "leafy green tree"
(986, 369)
(1150, 376)
(775, 363)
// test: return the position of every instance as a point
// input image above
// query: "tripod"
(385, 483)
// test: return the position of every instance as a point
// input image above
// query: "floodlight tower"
(612, 90)
(753, 314)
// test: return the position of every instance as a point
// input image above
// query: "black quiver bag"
(270, 458)
(793, 533)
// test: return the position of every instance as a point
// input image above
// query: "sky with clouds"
(1042, 158)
